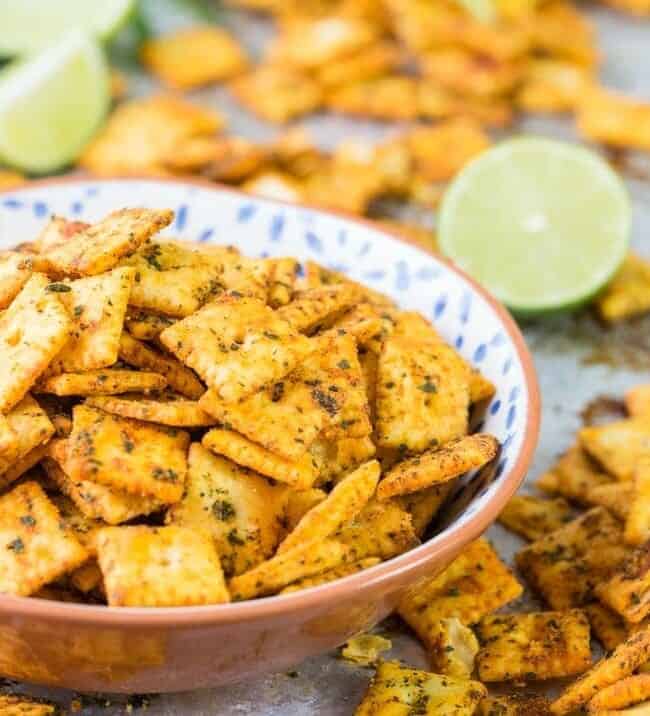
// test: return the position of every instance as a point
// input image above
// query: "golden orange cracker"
(274, 185)
(618, 446)
(127, 455)
(628, 293)
(637, 522)
(390, 97)
(573, 476)
(336, 458)
(57, 232)
(637, 400)
(533, 517)
(515, 704)
(164, 410)
(299, 502)
(606, 625)
(146, 326)
(193, 57)
(15, 270)
(159, 567)
(627, 590)
(9, 447)
(109, 381)
(551, 85)
(37, 545)
(626, 692)
(314, 307)
(364, 649)
(343, 570)
(424, 505)
(30, 426)
(373, 61)
(283, 275)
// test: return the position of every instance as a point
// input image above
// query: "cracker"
(450, 461)
(140, 134)
(342, 504)
(300, 474)
(637, 524)
(514, 705)
(480, 388)
(83, 527)
(534, 646)
(425, 504)
(606, 625)
(173, 278)
(475, 584)
(317, 275)
(38, 547)
(240, 509)
(100, 247)
(566, 566)
(617, 497)
(277, 94)
(422, 394)
(299, 502)
(364, 323)
(637, 400)
(304, 560)
(97, 307)
(551, 85)
(31, 427)
(20, 467)
(627, 591)
(193, 57)
(88, 578)
(57, 232)
(109, 381)
(313, 308)
(178, 377)
(389, 97)
(400, 690)
(377, 60)
(452, 648)
(15, 270)
(13, 705)
(222, 159)
(625, 659)
(364, 649)
(283, 273)
(533, 517)
(343, 570)
(628, 293)
(95, 501)
(278, 186)
(336, 458)
(618, 446)
(573, 476)
(127, 455)
(9, 446)
(237, 345)
(170, 411)
(626, 692)
(159, 567)
(381, 529)
(146, 326)
(32, 331)
(560, 30)
(249, 277)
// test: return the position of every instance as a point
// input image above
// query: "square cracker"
(336, 458)
(422, 394)
(146, 326)
(534, 517)
(312, 308)
(618, 446)
(95, 501)
(237, 345)
(100, 247)
(397, 689)
(97, 307)
(566, 565)
(606, 625)
(574, 476)
(31, 427)
(193, 57)
(240, 509)
(164, 409)
(159, 567)
(15, 270)
(32, 331)
(515, 704)
(9, 446)
(178, 377)
(37, 547)
(538, 645)
(627, 591)
(127, 455)
(173, 278)
(109, 381)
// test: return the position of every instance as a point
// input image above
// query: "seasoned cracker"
(146, 326)
(299, 502)
(627, 591)
(375, 61)
(57, 232)
(9, 446)
(637, 524)
(343, 570)
(480, 388)
(97, 307)
(159, 567)
(628, 293)
(337, 458)
(275, 185)
(100, 247)
(606, 625)
(31, 427)
(32, 331)
(317, 275)
(13, 705)
(566, 566)
(110, 381)
(172, 411)
(38, 547)
(425, 504)
(637, 400)
(178, 377)
(561, 30)
(626, 692)
(22, 466)
(534, 646)
(573, 476)
(534, 517)
(237, 345)
(283, 273)
(127, 455)
(551, 85)
(625, 659)
(452, 648)
(422, 394)
(241, 510)
(364, 649)
(342, 504)
(193, 57)
(303, 560)
(88, 578)
(615, 496)
(314, 307)
(618, 446)
(300, 474)
(389, 97)
(83, 527)
(452, 460)
(364, 323)
(15, 270)
(515, 704)
(400, 690)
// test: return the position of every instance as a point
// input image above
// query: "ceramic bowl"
(95, 648)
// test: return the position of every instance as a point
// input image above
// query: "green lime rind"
(542, 224)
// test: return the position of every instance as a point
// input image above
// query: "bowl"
(96, 648)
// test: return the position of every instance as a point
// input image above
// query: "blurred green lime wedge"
(542, 224)
(482, 10)
(52, 103)
(30, 25)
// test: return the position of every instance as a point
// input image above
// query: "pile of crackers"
(182, 425)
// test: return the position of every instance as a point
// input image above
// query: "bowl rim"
(333, 592)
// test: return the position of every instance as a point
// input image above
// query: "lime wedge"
(30, 25)
(51, 104)
(541, 224)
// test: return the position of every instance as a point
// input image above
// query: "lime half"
(542, 224)
(30, 25)
(51, 104)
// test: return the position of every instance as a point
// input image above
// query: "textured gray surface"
(562, 347)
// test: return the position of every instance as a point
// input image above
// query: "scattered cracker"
(146, 326)
(452, 648)
(534, 517)
(389, 97)
(637, 524)
(628, 293)
(573, 476)
(606, 625)
(617, 497)
(618, 446)
(627, 591)
(364, 649)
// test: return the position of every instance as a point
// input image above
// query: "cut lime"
(51, 104)
(542, 224)
(30, 25)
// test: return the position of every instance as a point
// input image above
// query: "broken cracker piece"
(14, 705)
(606, 625)
(170, 411)
(109, 381)
(626, 692)
(452, 648)
(628, 293)
(364, 649)
(343, 570)
(615, 496)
